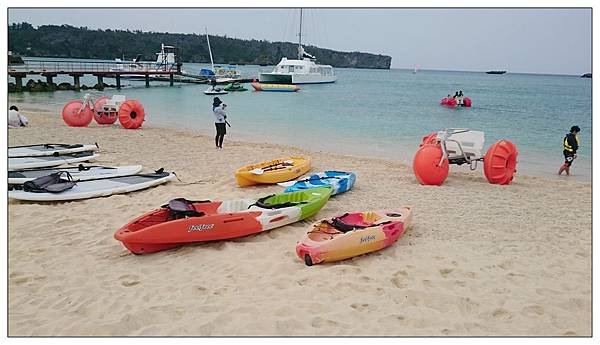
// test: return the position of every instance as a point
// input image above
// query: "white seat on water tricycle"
(471, 143)
(113, 103)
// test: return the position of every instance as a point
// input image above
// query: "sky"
(549, 41)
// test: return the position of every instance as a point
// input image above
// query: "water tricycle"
(459, 146)
(453, 102)
(105, 110)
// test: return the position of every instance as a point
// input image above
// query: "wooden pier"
(142, 70)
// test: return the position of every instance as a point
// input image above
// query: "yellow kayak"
(273, 171)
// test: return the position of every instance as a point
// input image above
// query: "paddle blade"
(287, 184)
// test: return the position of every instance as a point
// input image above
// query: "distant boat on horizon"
(495, 72)
(586, 75)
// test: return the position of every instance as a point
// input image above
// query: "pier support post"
(100, 80)
(49, 79)
(76, 82)
(147, 80)
(171, 79)
(118, 78)
(19, 80)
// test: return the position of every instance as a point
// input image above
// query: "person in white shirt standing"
(220, 121)
(16, 120)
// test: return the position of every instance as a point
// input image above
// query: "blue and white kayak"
(341, 181)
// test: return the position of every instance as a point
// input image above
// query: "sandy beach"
(480, 259)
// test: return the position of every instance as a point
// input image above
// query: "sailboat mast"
(300, 33)
(212, 65)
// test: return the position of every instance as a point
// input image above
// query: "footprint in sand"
(532, 310)
(302, 282)
(445, 271)
(129, 280)
(319, 322)
(399, 279)
(501, 313)
(361, 306)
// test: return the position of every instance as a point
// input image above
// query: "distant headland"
(67, 41)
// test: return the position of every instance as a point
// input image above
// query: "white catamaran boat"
(304, 70)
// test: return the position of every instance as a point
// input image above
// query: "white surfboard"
(97, 188)
(48, 150)
(49, 161)
(80, 173)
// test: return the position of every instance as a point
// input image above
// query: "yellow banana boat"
(273, 171)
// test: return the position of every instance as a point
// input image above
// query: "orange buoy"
(101, 116)
(430, 138)
(425, 165)
(500, 162)
(131, 114)
(75, 116)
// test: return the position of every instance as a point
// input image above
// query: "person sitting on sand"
(15, 119)
(570, 147)
(220, 116)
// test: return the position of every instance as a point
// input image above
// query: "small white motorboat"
(215, 91)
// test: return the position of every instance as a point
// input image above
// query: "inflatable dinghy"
(351, 234)
(183, 221)
(340, 181)
(48, 149)
(79, 173)
(20, 163)
(97, 188)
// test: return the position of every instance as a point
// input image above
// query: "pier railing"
(91, 67)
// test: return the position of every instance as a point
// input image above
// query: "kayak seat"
(344, 227)
(183, 208)
(261, 203)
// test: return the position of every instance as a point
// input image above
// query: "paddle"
(259, 171)
(291, 183)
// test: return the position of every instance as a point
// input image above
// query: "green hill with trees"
(71, 42)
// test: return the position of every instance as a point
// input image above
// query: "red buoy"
(500, 162)
(75, 116)
(131, 114)
(425, 165)
(101, 116)
(467, 102)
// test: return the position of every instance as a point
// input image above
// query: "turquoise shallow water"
(381, 113)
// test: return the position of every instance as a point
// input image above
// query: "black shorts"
(569, 156)
(221, 130)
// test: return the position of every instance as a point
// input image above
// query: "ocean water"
(379, 113)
